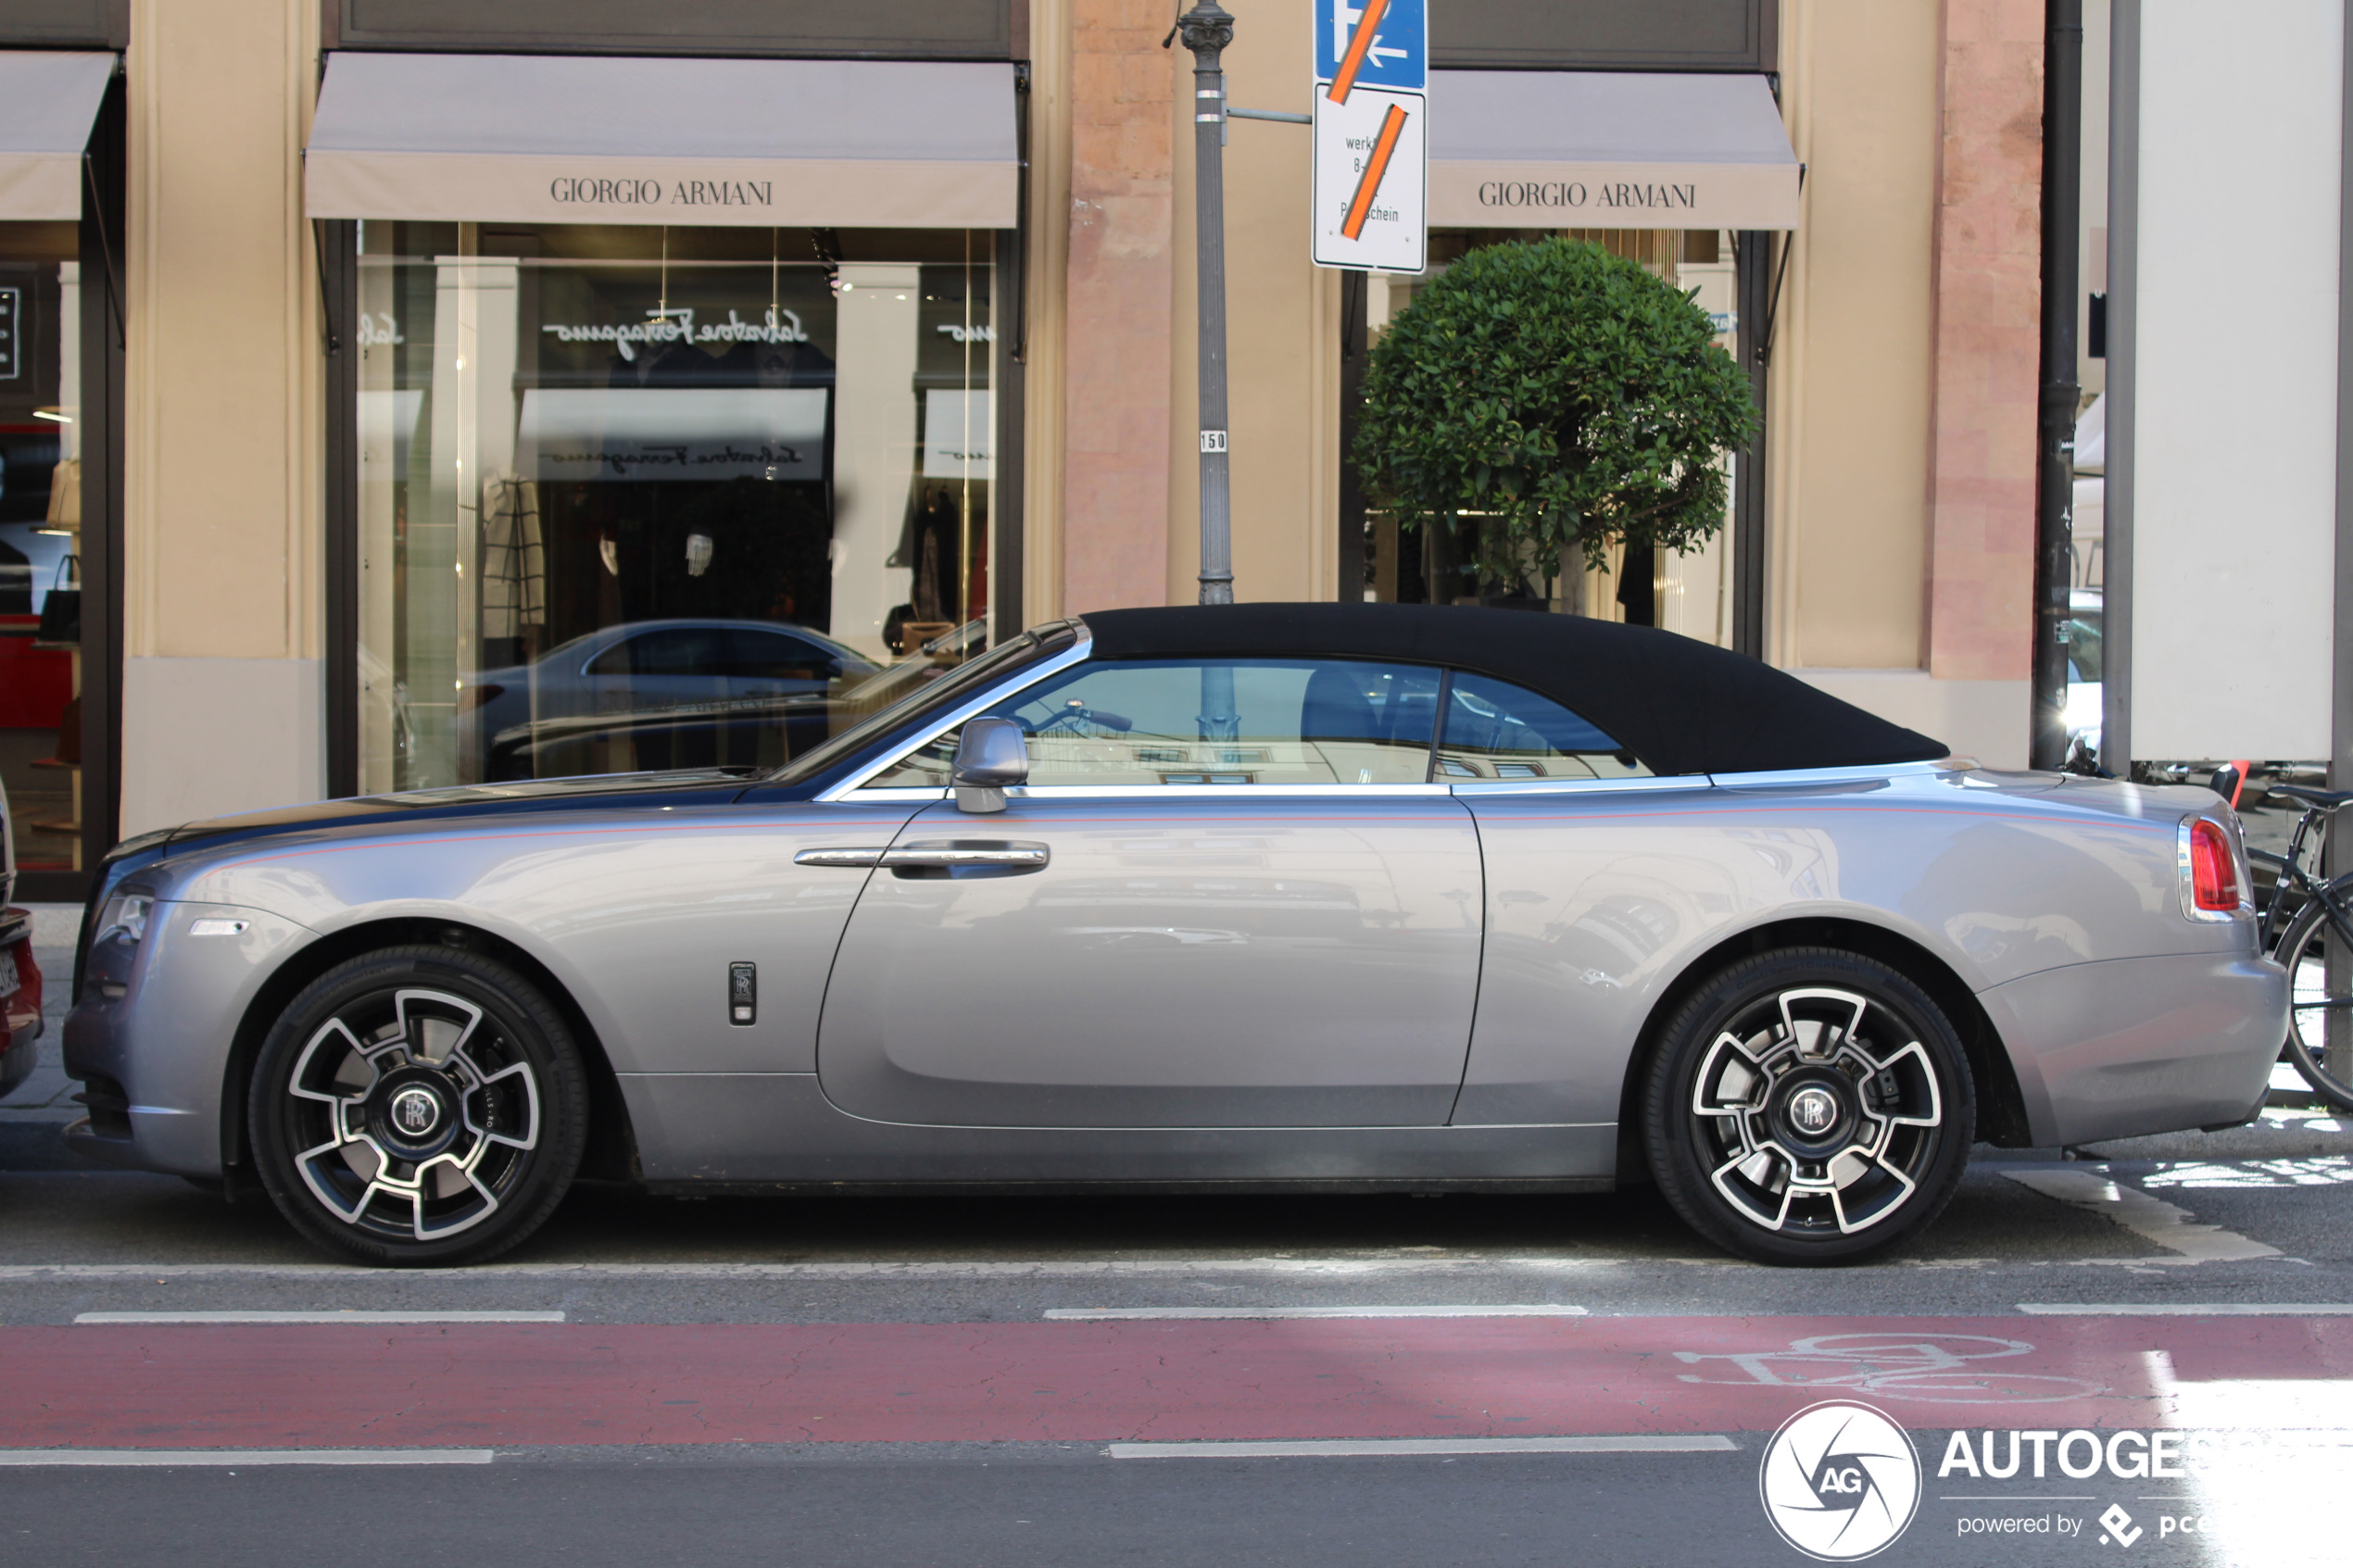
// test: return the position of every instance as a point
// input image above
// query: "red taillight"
(2214, 871)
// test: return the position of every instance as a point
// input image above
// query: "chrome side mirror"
(992, 755)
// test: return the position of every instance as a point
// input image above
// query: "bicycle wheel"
(2319, 1021)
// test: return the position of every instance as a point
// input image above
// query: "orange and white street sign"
(1372, 137)
(1372, 181)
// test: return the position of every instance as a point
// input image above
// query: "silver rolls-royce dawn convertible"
(1339, 896)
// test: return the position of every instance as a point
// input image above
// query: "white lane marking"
(2186, 1309)
(2330, 1170)
(1635, 1443)
(1107, 1314)
(316, 1317)
(2151, 1218)
(242, 1457)
(1039, 1269)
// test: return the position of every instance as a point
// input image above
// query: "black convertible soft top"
(1682, 706)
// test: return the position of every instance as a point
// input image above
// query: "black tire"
(2314, 998)
(1833, 1138)
(416, 1107)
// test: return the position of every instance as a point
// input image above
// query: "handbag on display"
(61, 611)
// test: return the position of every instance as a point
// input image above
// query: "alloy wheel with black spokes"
(417, 1105)
(1809, 1106)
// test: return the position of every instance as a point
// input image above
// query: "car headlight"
(125, 915)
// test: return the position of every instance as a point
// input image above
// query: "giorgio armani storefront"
(61, 132)
(428, 395)
(668, 400)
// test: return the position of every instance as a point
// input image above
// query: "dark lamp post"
(1207, 29)
(2054, 434)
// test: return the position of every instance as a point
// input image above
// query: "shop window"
(41, 429)
(633, 498)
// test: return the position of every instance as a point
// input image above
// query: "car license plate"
(9, 981)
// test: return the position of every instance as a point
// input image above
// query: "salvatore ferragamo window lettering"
(678, 326)
(643, 498)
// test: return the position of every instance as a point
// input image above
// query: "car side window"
(1499, 731)
(1158, 722)
(677, 650)
(774, 656)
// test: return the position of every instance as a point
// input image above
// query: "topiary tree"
(1559, 392)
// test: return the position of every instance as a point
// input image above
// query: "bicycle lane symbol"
(1950, 1368)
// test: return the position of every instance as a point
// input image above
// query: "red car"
(19, 976)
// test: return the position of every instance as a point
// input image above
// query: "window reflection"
(1157, 722)
(639, 498)
(41, 430)
(1498, 731)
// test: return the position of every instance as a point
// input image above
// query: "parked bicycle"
(2308, 926)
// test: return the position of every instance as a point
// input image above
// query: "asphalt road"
(872, 1380)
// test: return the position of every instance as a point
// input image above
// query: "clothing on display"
(514, 561)
(65, 494)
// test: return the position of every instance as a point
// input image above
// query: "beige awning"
(48, 101)
(1514, 149)
(571, 139)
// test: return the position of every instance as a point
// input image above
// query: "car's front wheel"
(417, 1105)
(1808, 1105)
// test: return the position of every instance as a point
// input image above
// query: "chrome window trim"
(1582, 787)
(1828, 776)
(1012, 685)
(1227, 792)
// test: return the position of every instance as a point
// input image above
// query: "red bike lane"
(487, 1384)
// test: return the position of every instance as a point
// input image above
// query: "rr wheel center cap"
(1815, 1112)
(415, 1113)
(1812, 1110)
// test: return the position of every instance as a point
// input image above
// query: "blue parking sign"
(1398, 58)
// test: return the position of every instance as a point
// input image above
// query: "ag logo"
(1840, 1481)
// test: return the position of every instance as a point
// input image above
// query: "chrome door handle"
(840, 857)
(950, 853)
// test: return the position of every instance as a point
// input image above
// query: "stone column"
(1117, 391)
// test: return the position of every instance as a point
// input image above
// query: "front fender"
(159, 1018)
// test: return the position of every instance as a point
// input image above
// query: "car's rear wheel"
(1808, 1105)
(418, 1106)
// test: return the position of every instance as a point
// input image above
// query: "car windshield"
(927, 691)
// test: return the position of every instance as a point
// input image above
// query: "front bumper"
(2137, 1046)
(152, 1037)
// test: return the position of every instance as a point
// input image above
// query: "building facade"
(432, 396)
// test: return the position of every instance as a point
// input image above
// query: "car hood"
(430, 805)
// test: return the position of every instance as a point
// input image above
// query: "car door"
(1590, 886)
(1277, 925)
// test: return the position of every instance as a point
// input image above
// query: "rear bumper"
(2138, 1046)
